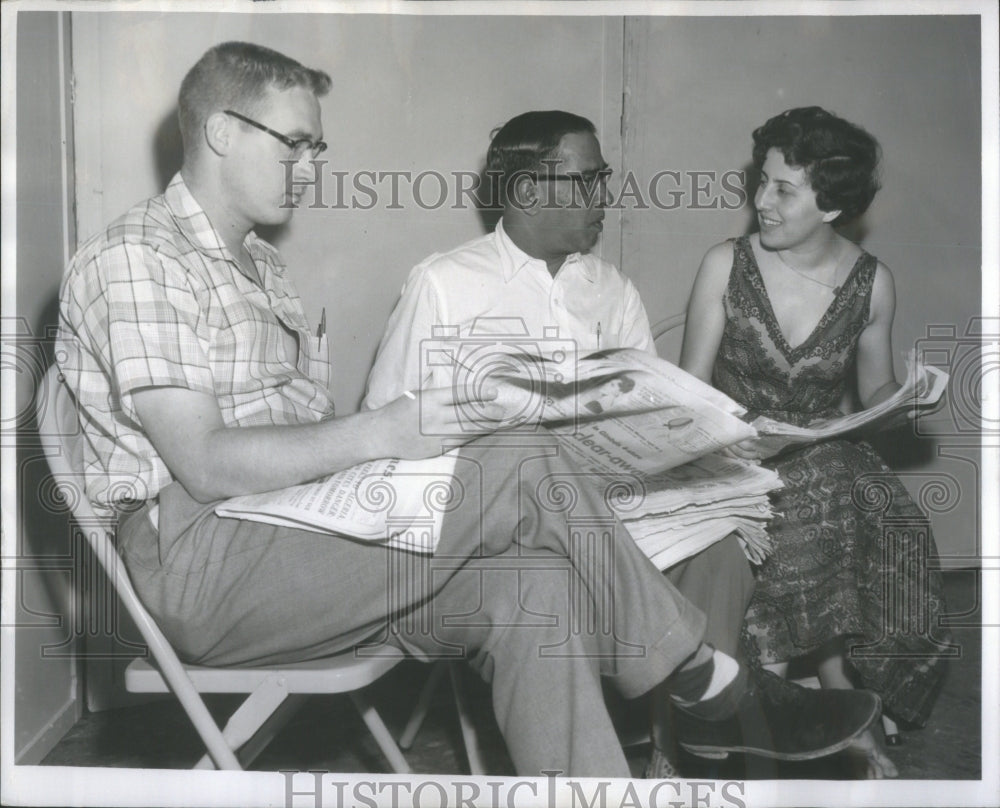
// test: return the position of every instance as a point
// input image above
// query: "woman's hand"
(909, 417)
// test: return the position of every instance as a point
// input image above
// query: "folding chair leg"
(469, 738)
(468, 729)
(249, 752)
(250, 716)
(423, 705)
(381, 733)
(208, 730)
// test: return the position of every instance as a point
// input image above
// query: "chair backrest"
(62, 441)
(667, 334)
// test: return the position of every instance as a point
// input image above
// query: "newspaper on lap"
(620, 415)
(398, 502)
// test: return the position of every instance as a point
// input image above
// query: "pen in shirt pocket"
(321, 331)
(598, 335)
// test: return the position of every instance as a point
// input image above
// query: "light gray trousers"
(534, 582)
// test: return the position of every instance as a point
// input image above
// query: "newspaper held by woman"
(922, 390)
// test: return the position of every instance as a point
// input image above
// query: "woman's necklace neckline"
(836, 271)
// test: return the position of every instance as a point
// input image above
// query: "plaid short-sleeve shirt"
(157, 300)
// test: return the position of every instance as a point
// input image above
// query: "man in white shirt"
(533, 273)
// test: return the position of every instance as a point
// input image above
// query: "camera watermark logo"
(59, 539)
(972, 359)
(911, 595)
(498, 357)
(26, 357)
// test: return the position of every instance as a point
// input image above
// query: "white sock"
(724, 671)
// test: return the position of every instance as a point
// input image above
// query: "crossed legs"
(533, 581)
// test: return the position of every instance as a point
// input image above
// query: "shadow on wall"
(45, 548)
(168, 151)
(489, 200)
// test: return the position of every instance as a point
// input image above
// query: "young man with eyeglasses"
(197, 379)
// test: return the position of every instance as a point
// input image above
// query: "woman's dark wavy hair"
(840, 159)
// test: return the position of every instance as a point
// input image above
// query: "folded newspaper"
(392, 501)
(923, 388)
(620, 413)
(688, 508)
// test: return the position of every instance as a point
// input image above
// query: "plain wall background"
(422, 93)
(696, 89)
(700, 86)
(410, 93)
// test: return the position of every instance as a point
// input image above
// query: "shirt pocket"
(316, 358)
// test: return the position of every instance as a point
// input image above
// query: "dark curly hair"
(840, 159)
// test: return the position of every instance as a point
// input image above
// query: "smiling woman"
(790, 321)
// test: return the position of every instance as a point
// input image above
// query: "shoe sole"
(721, 753)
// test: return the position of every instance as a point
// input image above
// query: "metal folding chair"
(273, 692)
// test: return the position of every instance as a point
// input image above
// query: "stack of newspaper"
(662, 428)
(688, 508)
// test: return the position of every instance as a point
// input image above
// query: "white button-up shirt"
(491, 291)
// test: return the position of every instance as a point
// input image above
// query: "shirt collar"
(194, 223)
(513, 259)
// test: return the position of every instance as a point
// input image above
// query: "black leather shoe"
(779, 719)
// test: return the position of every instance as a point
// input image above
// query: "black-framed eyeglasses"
(587, 181)
(297, 148)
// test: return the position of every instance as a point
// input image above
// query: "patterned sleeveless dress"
(853, 554)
